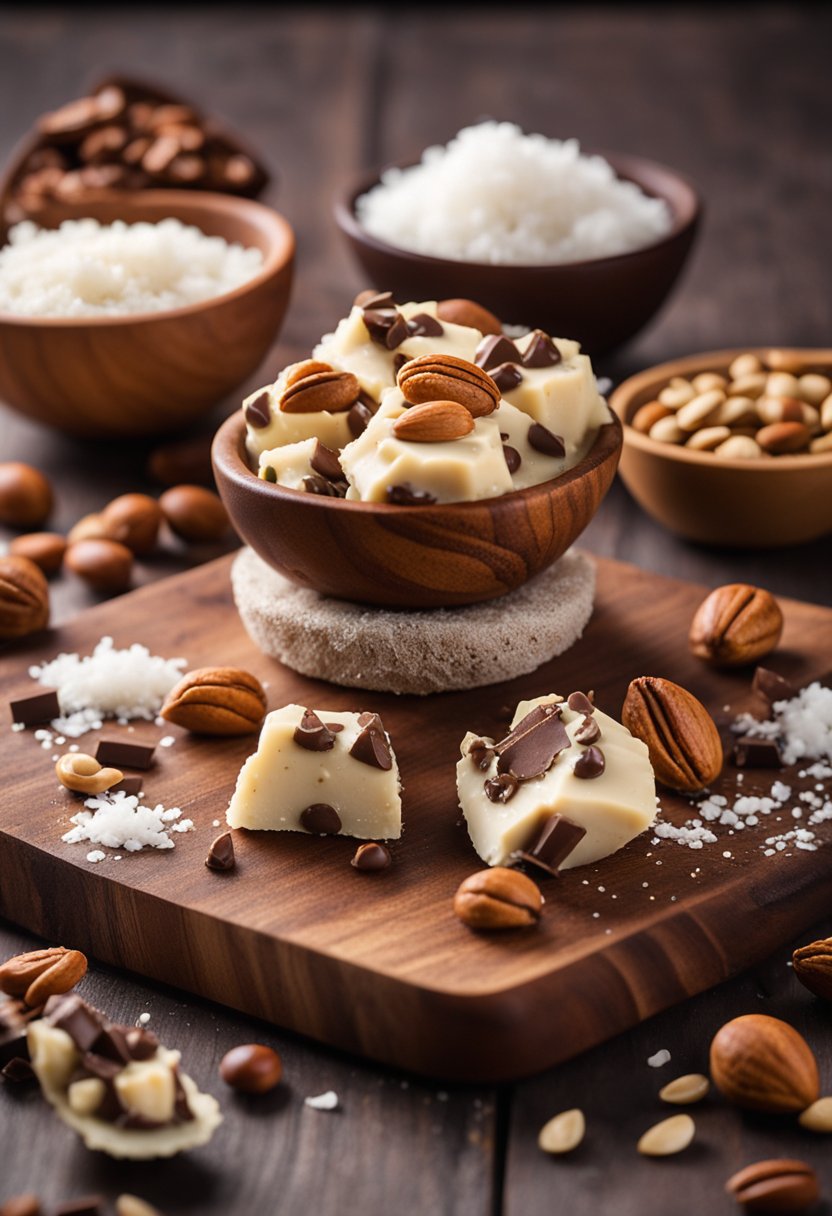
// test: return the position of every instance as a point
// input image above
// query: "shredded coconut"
(803, 725)
(659, 1059)
(121, 822)
(327, 1101)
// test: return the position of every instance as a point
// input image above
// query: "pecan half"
(24, 598)
(735, 625)
(447, 378)
(42, 973)
(813, 967)
(681, 737)
(331, 391)
(217, 701)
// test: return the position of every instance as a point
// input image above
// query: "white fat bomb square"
(333, 430)
(288, 786)
(613, 807)
(290, 464)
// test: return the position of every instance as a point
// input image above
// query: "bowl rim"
(626, 165)
(622, 401)
(281, 251)
(227, 456)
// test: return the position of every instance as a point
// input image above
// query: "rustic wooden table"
(737, 100)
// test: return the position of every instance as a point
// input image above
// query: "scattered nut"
(784, 437)
(818, 1116)
(25, 495)
(667, 430)
(563, 1133)
(371, 858)
(188, 461)
(24, 598)
(648, 414)
(134, 521)
(131, 1205)
(447, 378)
(88, 527)
(85, 775)
(671, 1136)
(105, 565)
(739, 447)
(467, 312)
(744, 365)
(498, 898)
(434, 422)
(736, 624)
(22, 1205)
(251, 1068)
(693, 1087)
(217, 701)
(42, 973)
(195, 514)
(775, 1188)
(700, 410)
(45, 549)
(682, 740)
(761, 1063)
(813, 967)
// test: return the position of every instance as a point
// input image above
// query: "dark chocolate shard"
(588, 732)
(530, 748)
(18, 1071)
(552, 842)
(757, 753)
(13, 1023)
(41, 707)
(399, 361)
(112, 1044)
(481, 754)
(590, 764)
(142, 1044)
(513, 458)
(326, 463)
(380, 321)
(258, 412)
(544, 441)
(312, 734)
(358, 418)
(132, 786)
(314, 484)
(81, 1021)
(541, 351)
(371, 858)
(102, 1067)
(771, 686)
(506, 376)
(321, 819)
(580, 702)
(119, 754)
(374, 299)
(397, 333)
(501, 788)
(221, 853)
(371, 746)
(181, 1109)
(423, 325)
(494, 350)
(406, 495)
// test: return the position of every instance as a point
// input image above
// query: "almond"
(692, 1087)
(671, 1136)
(217, 701)
(563, 1133)
(649, 413)
(681, 737)
(818, 1116)
(42, 973)
(781, 1186)
(761, 1063)
(736, 624)
(813, 967)
(781, 437)
(45, 549)
(24, 598)
(105, 565)
(447, 378)
(434, 422)
(134, 521)
(331, 391)
(468, 312)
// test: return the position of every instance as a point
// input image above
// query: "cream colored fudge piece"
(613, 807)
(462, 470)
(350, 348)
(332, 429)
(283, 779)
(147, 1086)
(290, 463)
(563, 398)
(534, 466)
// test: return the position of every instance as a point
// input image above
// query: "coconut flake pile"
(802, 725)
(109, 683)
(86, 269)
(120, 822)
(498, 196)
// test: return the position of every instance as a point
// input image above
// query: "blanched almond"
(434, 422)
(818, 1116)
(693, 1087)
(671, 1136)
(563, 1133)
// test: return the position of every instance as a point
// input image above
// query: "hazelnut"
(251, 1068)
(105, 565)
(194, 514)
(45, 549)
(735, 625)
(134, 521)
(498, 898)
(25, 495)
(468, 312)
(24, 598)
(88, 527)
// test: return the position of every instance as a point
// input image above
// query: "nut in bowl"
(415, 462)
(733, 447)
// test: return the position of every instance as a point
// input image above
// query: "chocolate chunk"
(13, 1022)
(481, 754)
(221, 853)
(513, 458)
(771, 686)
(552, 842)
(321, 819)
(132, 786)
(399, 362)
(590, 764)
(580, 702)
(181, 1109)
(327, 489)
(139, 1123)
(530, 748)
(757, 753)
(397, 333)
(543, 441)
(258, 412)
(494, 350)
(90, 1205)
(105, 1069)
(81, 1021)
(41, 707)
(374, 299)
(588, 732)
(118, 754)
(405, 495)
(423, 325)
(18, 1071)
(541, 351)
(142, 1044)
(112, 1044)
(501, 788)
(506, 376)
(371, 746)
(380, 321)
(325, 462)
(358, 419)
(371, 858)
(312, 734)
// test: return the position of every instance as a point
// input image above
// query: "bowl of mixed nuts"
(733, 447)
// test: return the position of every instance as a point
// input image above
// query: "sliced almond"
(692, 1087)
(330, 391)
(671, 1136)
(818, 1116)
(434, 422)
(563, 1133)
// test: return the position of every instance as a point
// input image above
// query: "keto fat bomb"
(567, 786)
(322, 772)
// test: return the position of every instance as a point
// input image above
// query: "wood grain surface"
(736, 98)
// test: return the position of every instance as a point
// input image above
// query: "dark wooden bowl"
(147, 373)
(412, 557)
(601, 303)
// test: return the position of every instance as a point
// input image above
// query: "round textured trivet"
(433, 650)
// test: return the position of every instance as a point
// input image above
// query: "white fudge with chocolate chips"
(289, 464)
(333, 429)
(612, 807)
(334, 773)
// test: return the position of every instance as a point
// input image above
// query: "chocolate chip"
(380, 321)
(399, 362)
(374, 299)
(221, 853)
(371, 746)
(325, 462)
(771, 686)
(397, 333)
(269, 474)
(590, 764)
(757, 753)
(513, 458)
(81, 1022)
(507, 376)
(481, 754)
(541, 351)
(494, 350)
(423, 325)
(530, 748)
(118, 754)
(543, 441)
(358, 419)
(258, 412)
(42, 707)
(321, 819)
(327, 489)
(405, 495)
(580, 702)
(312, 734)
(17, 1071)
(552, 842)
(371, 858)
(501, 788)
(142, 1044)
(588, 732)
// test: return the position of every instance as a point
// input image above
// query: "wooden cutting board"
(378, 964)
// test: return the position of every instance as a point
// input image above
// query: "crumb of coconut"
(659, 1059)
(802, 724)
(326, 1101)
(167, 741)
(144, 1018)
(120, 821)
(96, 855)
